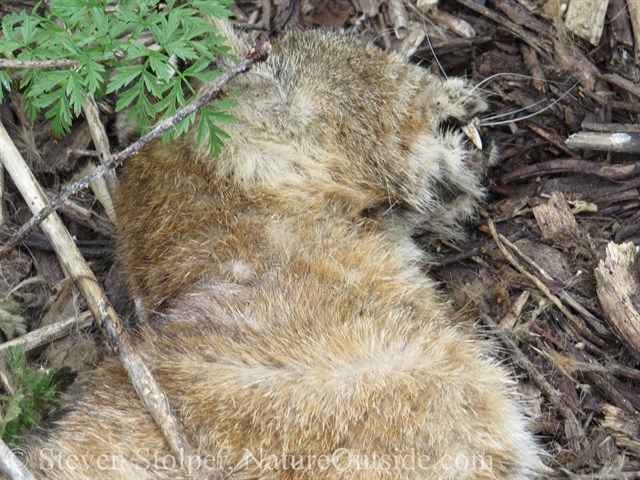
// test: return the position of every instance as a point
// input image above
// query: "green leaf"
(5, 83)
(127, 97)
(60, 112)
(215, 9)
(124, 76)
(159, 64)
(94, 74)
(76, 92)
(155, 86)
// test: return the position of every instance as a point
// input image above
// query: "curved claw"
(471, 131)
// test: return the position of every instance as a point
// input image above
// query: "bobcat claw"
(471, 131)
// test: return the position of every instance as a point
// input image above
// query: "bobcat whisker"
(511, 112)
(525, 117)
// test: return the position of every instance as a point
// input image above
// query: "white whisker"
(504, 122)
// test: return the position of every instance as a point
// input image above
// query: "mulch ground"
(556, 203)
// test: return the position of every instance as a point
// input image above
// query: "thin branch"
(72, 262)
(60, 63)
(576, 322)
(11, 465)
(44, 335)
(205, 96)
(105, 188)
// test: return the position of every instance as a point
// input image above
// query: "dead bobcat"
(294, 330)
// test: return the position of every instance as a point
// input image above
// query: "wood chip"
(609, 142)
(369, 7)
(453, 24)
(623, 426)
(585, 18)
(634, 15)
(555, 218)
(414, 38)
(398, 17)
(427, 5)
(618, 290)
(619, 21)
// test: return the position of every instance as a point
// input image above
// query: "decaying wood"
(618, 290)
(453, 23)
(625, 426)
(623, 142)
(369, 7)
(574, 165)
(611, 127)
(398, 17)
(623, 83)
(634, 15)
(426, 5)
(577, 323)
(555, 218)
(3, 213)
(412, 40)
(549, 390)
(585, 18)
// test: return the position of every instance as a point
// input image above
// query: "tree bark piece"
(609, 142)
(555, 218)
(585, 18)
(618, 289)
(634, 15)
(624, 427)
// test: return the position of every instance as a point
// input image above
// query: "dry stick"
(104, 188)
(47, 334)
(582, 329)
(11, 465)
(205, 96)
(25, 64)
(75, 265)
(555, 397)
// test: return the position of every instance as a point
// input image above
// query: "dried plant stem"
(44, 335)
(105, 188)
(576, 322)
(205, 96)
(74, 264)
(3, 217)
(11, 465)
(59, 63)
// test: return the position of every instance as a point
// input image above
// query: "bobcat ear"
(239, 42)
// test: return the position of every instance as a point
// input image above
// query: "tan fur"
(295, 331)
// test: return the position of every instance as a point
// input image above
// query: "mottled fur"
(295, 331)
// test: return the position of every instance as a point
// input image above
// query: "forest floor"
(554, 281)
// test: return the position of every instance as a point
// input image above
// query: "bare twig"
(75, 265)
(205, 96)
(59, 63)
(11, 465)
(554, 396)
(105, 188)
(47, 334)
(576, 322)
